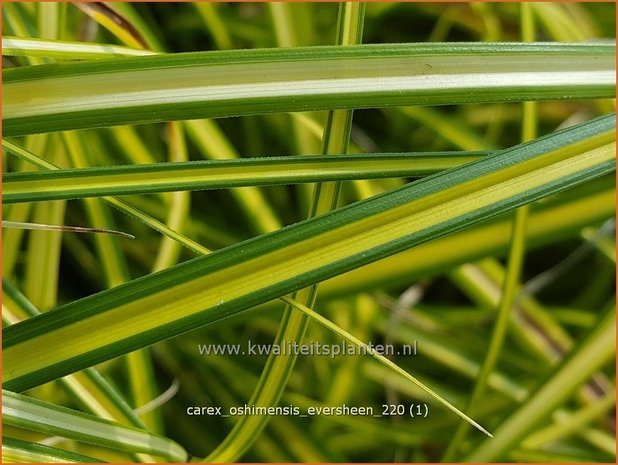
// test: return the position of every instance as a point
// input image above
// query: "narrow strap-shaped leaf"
(35, 415)
(56, 227)
(381, 359)
(60, 49)
(158, 306)
(216, 174)
(119, 204)
(18, 451)
(94, 392)
(563, 217)
(243, 82)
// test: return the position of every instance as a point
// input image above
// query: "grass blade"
(228, 281)
(18, 451)
(35, 415)
(64, 50)
(383, 360)
(56, 227)
(117, 203)
(218, 174)
(232, 83)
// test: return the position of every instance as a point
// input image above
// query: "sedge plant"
(424, 214)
